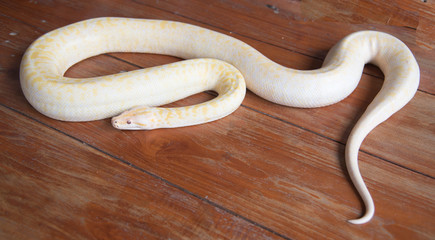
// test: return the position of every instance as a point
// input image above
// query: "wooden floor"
(265, 172)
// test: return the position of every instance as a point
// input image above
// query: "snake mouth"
(120, 124)
(115, 123)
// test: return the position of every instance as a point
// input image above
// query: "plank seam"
(25, 23)
(177, 14)
(336, 141)
(303, 128)
(258, 111)
(223, 29)
(150, 174)
(245, 36)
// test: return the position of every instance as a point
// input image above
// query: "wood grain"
(336, 126)
(266, 171)
(303, 37)
(82, 193)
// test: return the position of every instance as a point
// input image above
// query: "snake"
(215, 62)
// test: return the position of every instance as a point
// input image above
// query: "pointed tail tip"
(364, 219)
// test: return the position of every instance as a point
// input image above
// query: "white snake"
(46, 60)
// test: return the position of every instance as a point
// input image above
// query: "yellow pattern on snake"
(141, 91)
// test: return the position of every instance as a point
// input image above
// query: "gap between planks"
(129, 164)
(247, 107)
(228, 32)
(212, 26)
(301, 127)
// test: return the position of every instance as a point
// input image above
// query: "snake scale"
(136, 95)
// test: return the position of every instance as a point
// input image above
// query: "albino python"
(141, 91)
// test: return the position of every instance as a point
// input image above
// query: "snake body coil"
(45, 87)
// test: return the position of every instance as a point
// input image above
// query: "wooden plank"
(311, 38)
(264, 174)
(409, 127)
(278, 180)
(299, 182)
(302, 37)
(56, 187)
(336, 125)
(336, 121)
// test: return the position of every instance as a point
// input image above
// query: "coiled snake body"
(46, 60)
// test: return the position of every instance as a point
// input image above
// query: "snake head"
(138, 118)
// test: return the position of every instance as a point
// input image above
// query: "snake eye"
(128, 122)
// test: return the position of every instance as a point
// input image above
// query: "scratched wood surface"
(265, 172)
